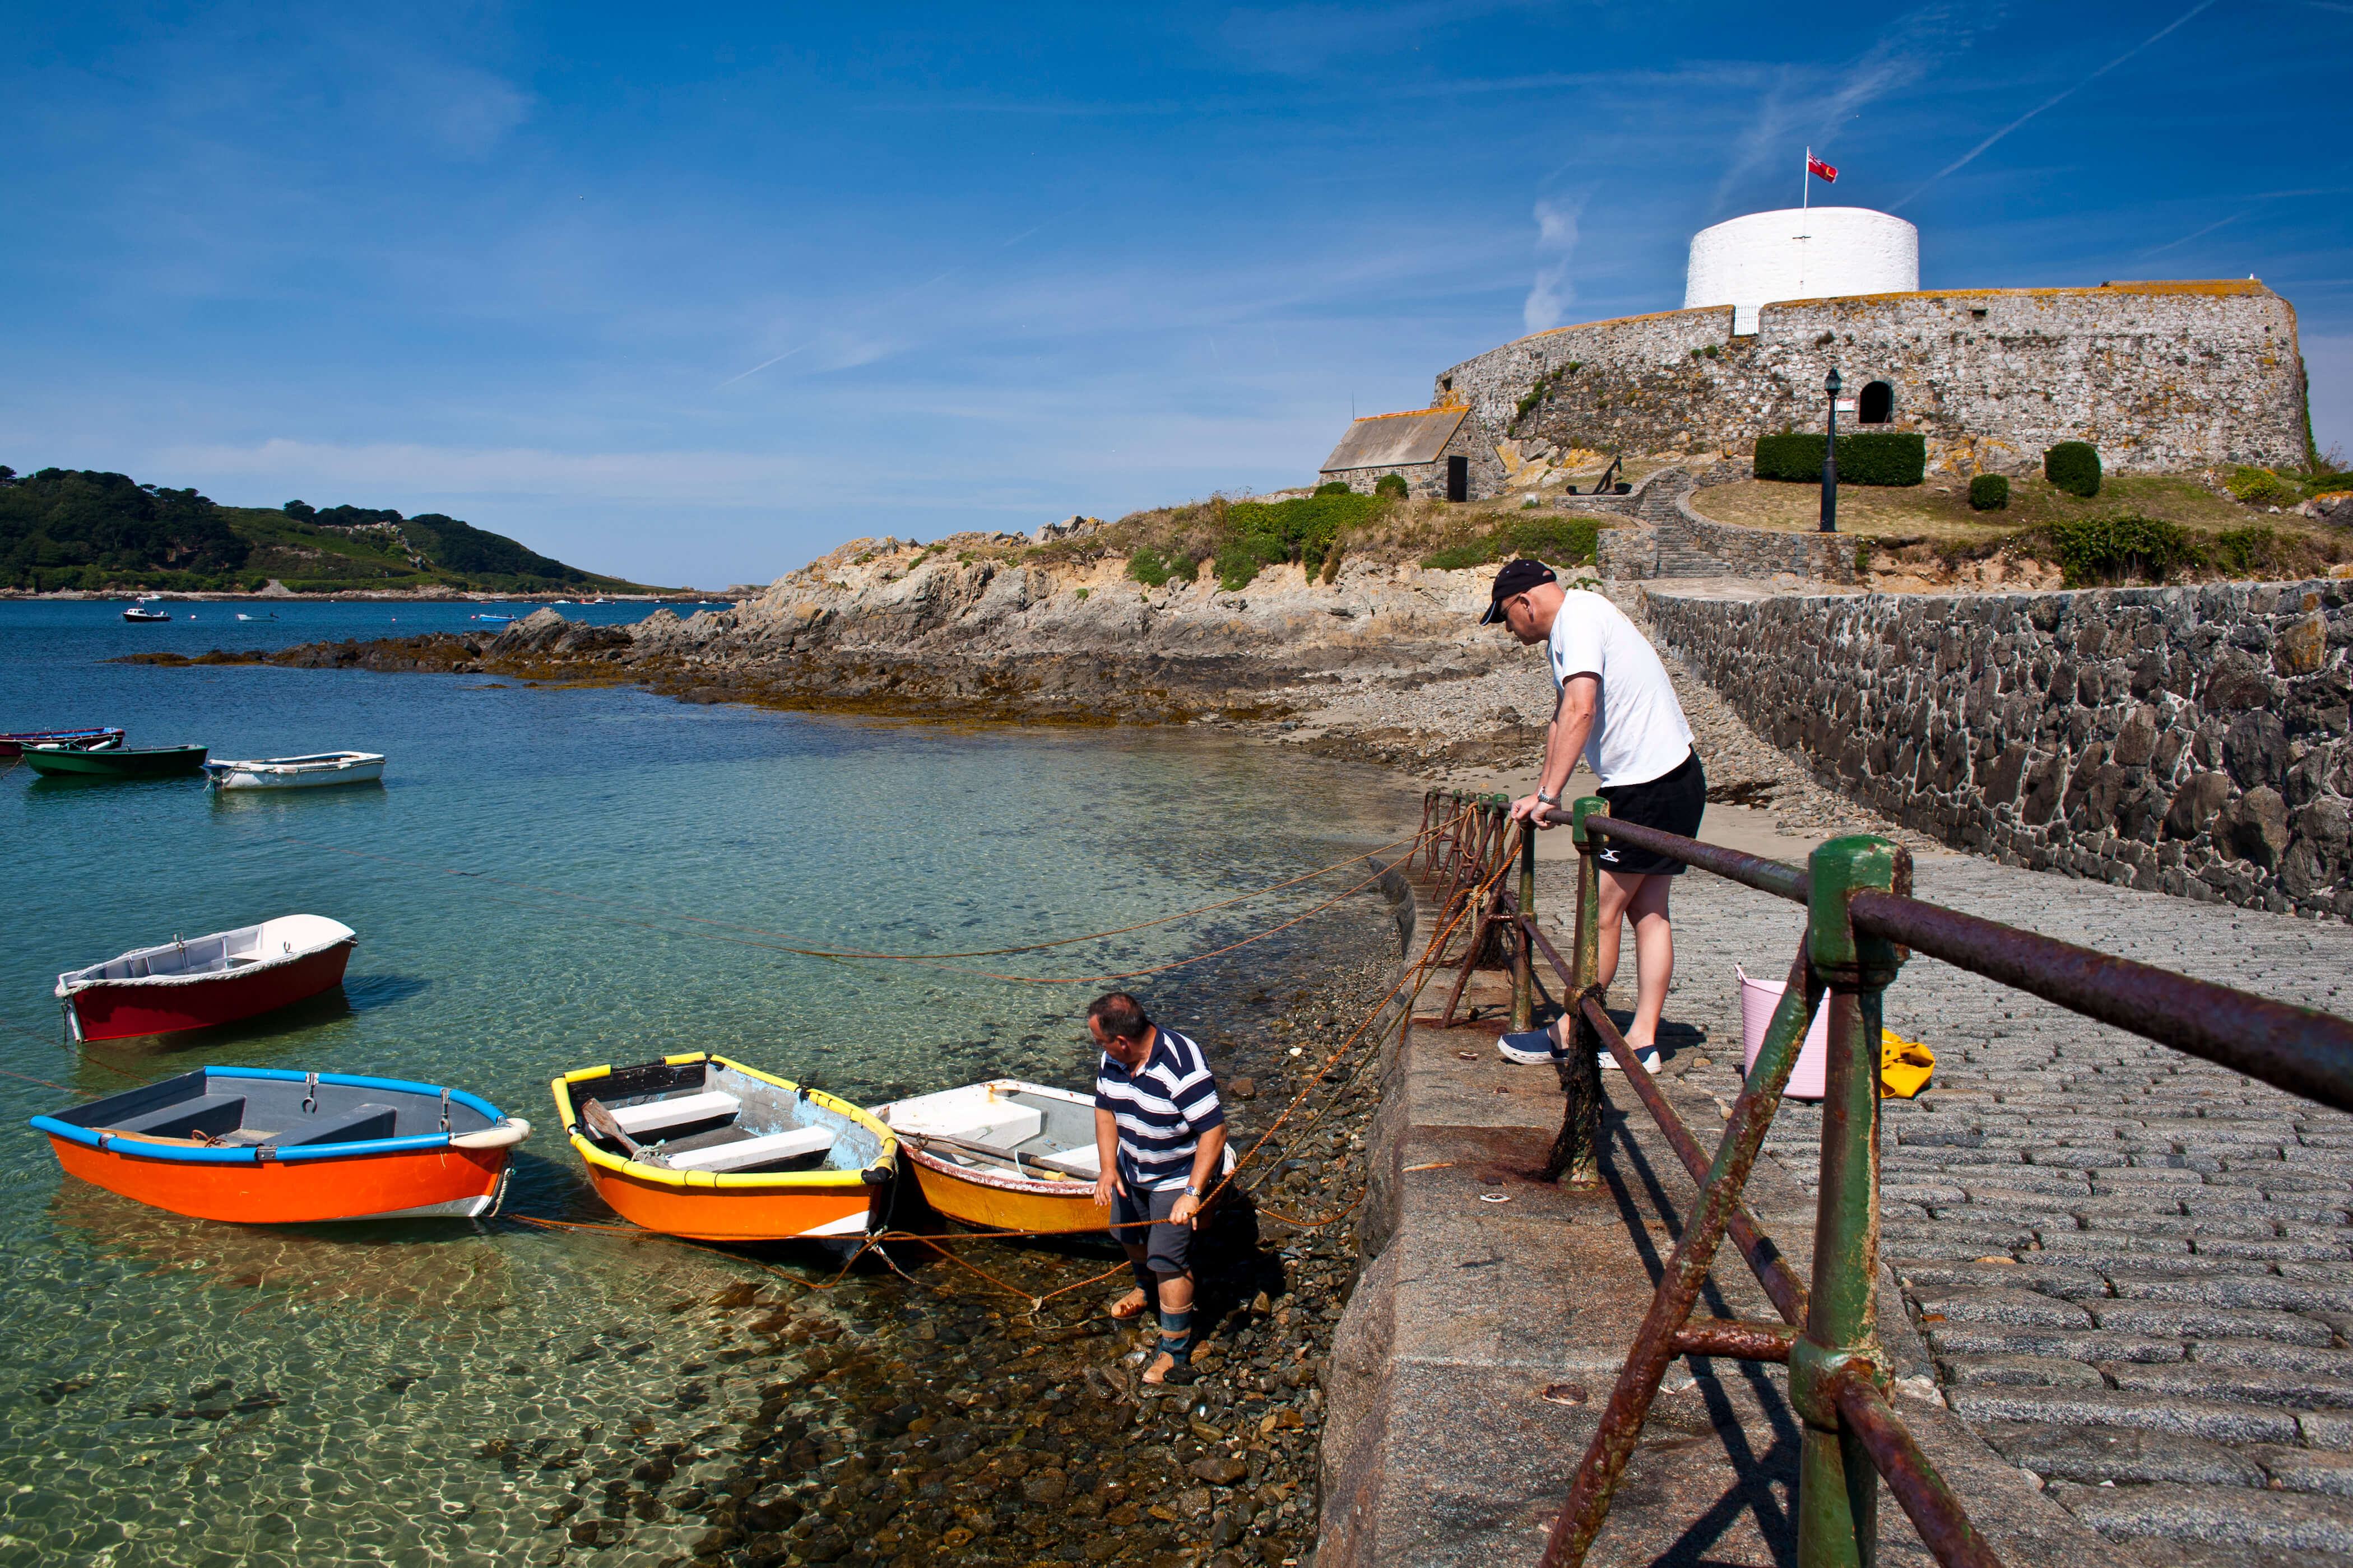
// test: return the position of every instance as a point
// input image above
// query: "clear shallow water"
(178, 1392)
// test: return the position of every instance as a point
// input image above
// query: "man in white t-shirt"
(1617, 708)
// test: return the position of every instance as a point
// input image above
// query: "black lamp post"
(1830, 458)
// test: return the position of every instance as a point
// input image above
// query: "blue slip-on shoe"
(1530, 1048)
(1650, 1060)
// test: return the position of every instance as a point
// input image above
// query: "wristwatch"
(1191, 1191)
(1547, 799)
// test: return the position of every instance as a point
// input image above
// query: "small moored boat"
(63, 740)
(114, 761)
(145, 610)
(702, 1147)
(243, 616)
(1007, 1154)
(313, 772)
(214, 979)
(496, 620)
(263, 1146)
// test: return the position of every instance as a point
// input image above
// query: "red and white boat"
(206, 980)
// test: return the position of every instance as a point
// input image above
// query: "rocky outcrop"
(972, 629)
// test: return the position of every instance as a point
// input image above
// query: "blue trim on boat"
(66, 1131)
(239, 1155)
(354, 1080)
(366, 1146)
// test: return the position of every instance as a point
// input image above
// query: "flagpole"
(1806, 182)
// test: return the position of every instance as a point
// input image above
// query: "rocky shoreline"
(917, 1412)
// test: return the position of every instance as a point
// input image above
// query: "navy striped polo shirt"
(1162, 1109)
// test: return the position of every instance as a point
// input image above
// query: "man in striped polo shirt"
(1159, 1136)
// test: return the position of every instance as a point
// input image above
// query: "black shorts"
(1671, 802)
(1167, 1247)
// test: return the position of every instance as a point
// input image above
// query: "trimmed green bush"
(2073, 467)
(2252, 552)
(1390, 485)
(1989, 492)
(2104, 549)
(1335, 488)
(1884, 457)
(1303, 530)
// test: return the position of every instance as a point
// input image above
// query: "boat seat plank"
(1080, 1162)
(213, 1113)
(792, 1145)
(684, 1110)
(363, 1121)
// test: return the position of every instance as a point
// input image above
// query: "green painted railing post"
(1524, 961)
(1838, 1487)
(1576, 1153)
(1588, 957)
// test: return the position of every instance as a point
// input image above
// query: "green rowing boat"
(143, 763)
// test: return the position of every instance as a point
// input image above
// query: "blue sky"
(695, 293)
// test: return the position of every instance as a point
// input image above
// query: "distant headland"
(66, 529)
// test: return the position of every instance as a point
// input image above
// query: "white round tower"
(1800, 253)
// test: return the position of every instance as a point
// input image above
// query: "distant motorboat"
(145, 610)
(243, 616)
(496, 620)
(315, 771)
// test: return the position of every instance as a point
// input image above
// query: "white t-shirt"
(1639, 730)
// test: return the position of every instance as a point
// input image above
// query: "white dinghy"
(312, 772)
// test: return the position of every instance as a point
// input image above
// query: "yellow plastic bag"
(1903, 1066)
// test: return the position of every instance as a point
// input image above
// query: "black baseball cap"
(1515, 578)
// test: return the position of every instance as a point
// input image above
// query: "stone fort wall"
(2191, 741)
(2162, 377)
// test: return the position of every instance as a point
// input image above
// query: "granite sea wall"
(2194, 740)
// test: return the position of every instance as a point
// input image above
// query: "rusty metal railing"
(1861, 925)
(1464, 837)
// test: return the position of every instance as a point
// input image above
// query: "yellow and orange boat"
(1005, 1155)
(706, 1148)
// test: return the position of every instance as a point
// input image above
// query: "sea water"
(547, 878)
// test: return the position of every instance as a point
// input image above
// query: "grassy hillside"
(63, 528)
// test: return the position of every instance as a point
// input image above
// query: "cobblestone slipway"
(2134, 1270)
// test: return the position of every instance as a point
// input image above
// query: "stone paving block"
(1960, 1243)
(2206, 1380)
(2084, 1345)
(2320, 1429)
(2283, 1252)
(2225, 1516)
(2051, 1279)
(1903, 1192)
(2111, 1243)
(2306, 1469)
(1981, 1304)
(2226, 1290)
(2191, 1321)
(2017, 1192)
(2275, 1355)
(2014, 1371)
(2211, 1419)
(2196, 1265)
(2122, 1454)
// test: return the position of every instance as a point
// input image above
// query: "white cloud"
(1551, 295)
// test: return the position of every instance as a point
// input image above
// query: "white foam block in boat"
(1084, 1162)
(657, 1114)
(754, 1151)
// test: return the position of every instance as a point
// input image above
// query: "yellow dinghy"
(1007, 1154)
(702, 1147)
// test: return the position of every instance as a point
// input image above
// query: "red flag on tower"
(1816, 166)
